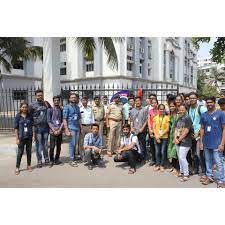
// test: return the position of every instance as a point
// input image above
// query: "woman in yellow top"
(161, 131)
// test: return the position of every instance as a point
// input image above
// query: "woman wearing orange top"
(152, 113)
(161, 131)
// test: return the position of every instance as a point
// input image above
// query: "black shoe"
(51, 164)
(90, 167)
(47, 162)
(151, 163)
(39, 165)
(57, 162)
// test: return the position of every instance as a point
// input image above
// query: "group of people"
(185, 136)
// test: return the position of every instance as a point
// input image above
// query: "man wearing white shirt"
(87, 119)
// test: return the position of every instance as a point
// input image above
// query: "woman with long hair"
(183, 140)
(161, 130)
(171, 150)
(23, 125)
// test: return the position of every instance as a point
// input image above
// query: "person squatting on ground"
(92, 146)
(129, 150)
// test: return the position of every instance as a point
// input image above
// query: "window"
(18, 65)
(130, 58)
(149, 71)
(89, 67)
(63, 71)
(207, 70)
(62, 40)
(164, 63)
(20, 95)
(149, 52)
(140, 69)
(172, 65)
(129, 66)
(63, 48)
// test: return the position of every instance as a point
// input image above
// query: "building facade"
(141, 60)
(207, 66)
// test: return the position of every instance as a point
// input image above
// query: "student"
(179, 101)
(23, 125)
(38, 110)
(55, 122)
(129, 150)
(183, 141)
(171, 151)
(72, 124)
(92, 146)
(161, 130)
(212, 140)
(152, 113)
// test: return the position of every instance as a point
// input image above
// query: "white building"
(206, 66)
(142, 60)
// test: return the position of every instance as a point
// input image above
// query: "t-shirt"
(213, 130)
(180, 125)
(195, 116)
(125, 141)
(152, 113)
(161, 124)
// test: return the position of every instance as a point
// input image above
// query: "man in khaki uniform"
(99, 114)
(114, 119)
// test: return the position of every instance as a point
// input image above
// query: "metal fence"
(10, 99)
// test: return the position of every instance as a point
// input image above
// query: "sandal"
(156, 168)
(180, 175)
(184, 179)
(17, 171)
(203, 178)
(131, 171)
(221, 185)
(29, 168)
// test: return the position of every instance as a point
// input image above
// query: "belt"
(115, 120)
(86, 125)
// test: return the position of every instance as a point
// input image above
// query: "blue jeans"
(41, 135)
(211, 156)
(73, 143)
(160, 152)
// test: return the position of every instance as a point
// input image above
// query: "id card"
(57, 122)
(75, 117)
(41, 113)
(137, 120)
(160, 132)
(208, 128)
(25, 129)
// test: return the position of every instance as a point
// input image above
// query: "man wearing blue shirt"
(195, 111)
(212, 140)
(72, 125)
(92, 146)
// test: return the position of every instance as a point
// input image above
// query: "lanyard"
(160, 124)
(193, 115)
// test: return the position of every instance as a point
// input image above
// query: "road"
(114, 175)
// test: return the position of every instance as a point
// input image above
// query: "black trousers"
(55, 141)
(142, 140)
(24, 143)
(195, 159)
(152, 149)
(130, 156)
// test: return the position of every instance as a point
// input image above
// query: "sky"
(205, 48)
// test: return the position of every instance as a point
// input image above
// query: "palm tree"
(13, 49)
(88, 46)
(215, 77)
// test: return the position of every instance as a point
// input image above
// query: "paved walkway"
(114, 175)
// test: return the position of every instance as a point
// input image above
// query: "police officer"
(114, 120)
(99, 114)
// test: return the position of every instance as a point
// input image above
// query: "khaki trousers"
(114, 135)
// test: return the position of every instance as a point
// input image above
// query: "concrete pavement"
(114, 175)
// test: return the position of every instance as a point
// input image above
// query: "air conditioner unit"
(130, 46)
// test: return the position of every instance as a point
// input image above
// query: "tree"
(13, 49)
(210, 91)
(216, 76)
(218, 50)
(88, 46)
